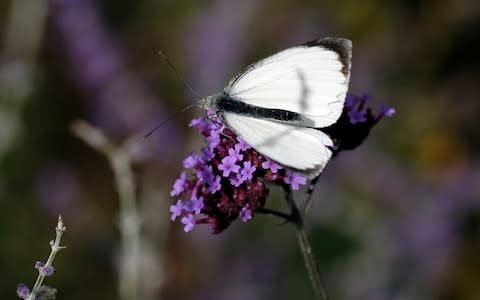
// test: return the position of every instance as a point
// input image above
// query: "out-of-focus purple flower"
(23, 291)
(247, 171)
(228, 166)
(294, 180)
(245, 214)
(189, 222)
(357, 116)
(122, 104)
(179, 185)
(176, 210)
(386, 110)
(271, 165)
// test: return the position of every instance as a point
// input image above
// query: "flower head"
(355, 123)
(225, 182)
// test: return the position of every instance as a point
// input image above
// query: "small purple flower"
(207, 154)
(176, 210)
(228, 166)
(245, 214)
(242, 145)
(386, 110)
(206, 174)
(293, 179)
(23, 291)
(39, 265)
(357, 116)
(179, 185)
(214, 185)
(213, 139)
(195, 205)
(191, 161)
(44, 270)
(236, 180)
(47, 270)
(247, 171)
(270, 165)
(199, 124)
(189, 222)
(235, 154)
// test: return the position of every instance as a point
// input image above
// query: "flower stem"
(310, 261)
(55, 246)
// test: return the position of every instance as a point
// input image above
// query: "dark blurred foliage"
(398, 218)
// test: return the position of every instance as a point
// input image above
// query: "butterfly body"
(278, 104)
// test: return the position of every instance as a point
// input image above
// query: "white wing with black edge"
(310, 79)
(299, 148)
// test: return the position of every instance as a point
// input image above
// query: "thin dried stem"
(129, 217)
(55, 247)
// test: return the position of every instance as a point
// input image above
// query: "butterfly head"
(209, 102)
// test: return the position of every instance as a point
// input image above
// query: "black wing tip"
(342, 46)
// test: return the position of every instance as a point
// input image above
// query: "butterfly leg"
(311, 189)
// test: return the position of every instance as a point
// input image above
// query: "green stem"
(310, 261)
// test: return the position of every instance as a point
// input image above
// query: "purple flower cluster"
(355, 123)
(226, 180)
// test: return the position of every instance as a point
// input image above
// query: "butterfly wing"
(310, 79)
(299, 148)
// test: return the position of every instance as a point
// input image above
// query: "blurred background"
(398, 218)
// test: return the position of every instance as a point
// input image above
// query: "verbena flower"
(229, 179)
(226, 181)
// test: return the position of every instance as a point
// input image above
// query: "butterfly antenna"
(178, 76)
(172, 67)
(168, 120)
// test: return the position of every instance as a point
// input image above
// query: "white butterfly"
(278, 104)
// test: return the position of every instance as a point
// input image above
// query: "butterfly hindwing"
(310, 79)
(303, 149)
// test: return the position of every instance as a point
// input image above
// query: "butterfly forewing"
(310, 79)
